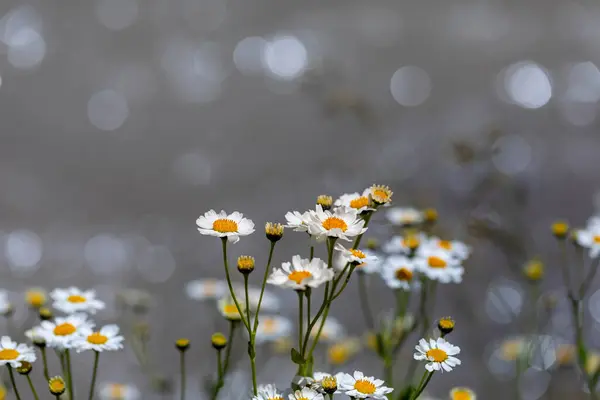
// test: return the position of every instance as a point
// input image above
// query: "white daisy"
(404, 244)
(439, 265)
(305, 394)
(231, 226)
(404, 216)
(324, 383)
(118, 391)
(355, 256)
(5, 306)
(458, 250)
(593, 222)
(371, 262)
(273, 327)
(301, 273)
(356, 201)
(270, 302)
(268, 392)
(203, 289)
(13, 354)
(333, 330)
(399, 273)
(439, 354)
(379, 194)
(362, 387)
(590, 239)
(229, 310)
(297, 221)
(106, 339)
(63, 331)
(35, 334)
(72, 300)
(462, 393)
(342, 222)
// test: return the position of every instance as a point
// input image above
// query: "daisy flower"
(361, 387)
(324, 383)
(229, 310)
(297, 221)
(590, 239)
(203, 289)
(5, 306)
(439, 354)
(358, 202)
(381, 195)
(398, 272)
(231, 226)
(355, 256)
(458, 250)
(273, 327)
(35, 334)
(72, 300)
(63, 331)
(342, 222)
(268, 392)
(305, 394)
(462, 393)
(35, 297)
(12, 354)
(439, 265)
(301, 273)
(404, 216)
(270, 302)
(339, 353)
(106, 339)
(332, 331)
(404, 244)
(370, 263)
(118, 391)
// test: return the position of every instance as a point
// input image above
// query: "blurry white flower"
(301, 273)
(438, 265)
(35, 334)
(297, 221)
(270, 302)
(362, 387)
(342, 222)
(462, 393)
(272, 327)
(63, 331)
(305, 394)
(404, 216)
(439, 354)
(118, 391)
(35, 297)
(356, 201)
(72, 300)
(371, 263)
(12, 353)
(5, 306)
(398, 272)
(203, 289)
(333, 330)
(106, 339)
(231, 226)
(268, 392)
(355, 256)
(458, 250)
(590, 239)
(229, 310)
(404, 244)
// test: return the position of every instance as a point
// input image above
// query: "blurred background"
(123, 120)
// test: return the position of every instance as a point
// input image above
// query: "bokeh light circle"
(503, 302)
(285, 57)
(512, 154)
(116, 14)
(527, 84)
(107, 110)
(106, 255)
(23, 250)
(247, 55)
(410, 86)
(27, 49)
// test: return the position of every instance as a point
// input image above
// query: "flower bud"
(218, 340)
(245, 264)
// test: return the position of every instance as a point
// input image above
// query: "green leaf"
(251, 351)
(297, 357)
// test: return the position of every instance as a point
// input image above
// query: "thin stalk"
(364, 301)
(45, 362)
(300, 318)
(307, 293)
(264, 284)
(231, 291)
(427, 376)
(35, 396)
(312, 252)
(220, 375)
(222, 367)
(94, 373)
(70, 376)
(232, 329)
(182, 370)
(251, 333)
(422, 320)
(12, 380)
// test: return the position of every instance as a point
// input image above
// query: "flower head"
(35, 297)
(324, 383)
(229, 310)
(5, 307)
(223, 225)
(430, 215)
(340, 352)
(399, 273)
(218, 340)
(560, 229)
(118, 391)
(182, 344)
(56, 385)
(73, 300)
(355, 256)
(297, 221)
(14, 354)
(439, 354)
(438, 265)
(458, 250)
(404, 216)
(589, 238)
(446, 325)
(203, 289)
(301, 273)
(64, 331)
(534, 270)
(305, 394)
(407, 244)
(325, 201)
(245, 264)
(268, 392)
(25, 368)
(106, 339)
(360, 386)
(342, 222)
(380, 194)
(273, 231)
(273, 327)
(358, 202)
(462, 393)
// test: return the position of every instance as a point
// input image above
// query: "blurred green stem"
(423, 384)
(45, 363)
(94, 373)
(12, 380)
(35, 395)
(70, 374)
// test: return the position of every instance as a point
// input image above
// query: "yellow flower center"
(364, 386)
(225, 226)
(299, 276)
(97, 338)
(436, 262)
(335, 223)
(302, 398)
(445, 244)
(275, 398)
(57, 385)
(8, 354)
(404, 274)
(437, 355)
(230, 309)
(461, 395)
(412, 242)
(358, 253)
(64, 329)
(270, 325)
(597, 239)
(381, 195)
(35, 298)
(338, 354)
(446, 323)
(75, 298)
(117, 391)
(359, 202)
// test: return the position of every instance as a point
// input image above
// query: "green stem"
(12, 380)
(264, 284)
(231, 291)
(352, 268)
(94, 373)
(251, 334)
(35, 396)
(300, 318)
(424, 324)
(223, 367)
(220, 375)
(232, 329)
(388, 371)
(182, 370)
(424, 382)
(70, 375)
(307, 293)
(312, 252)
(45, 362)
(364, 302)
